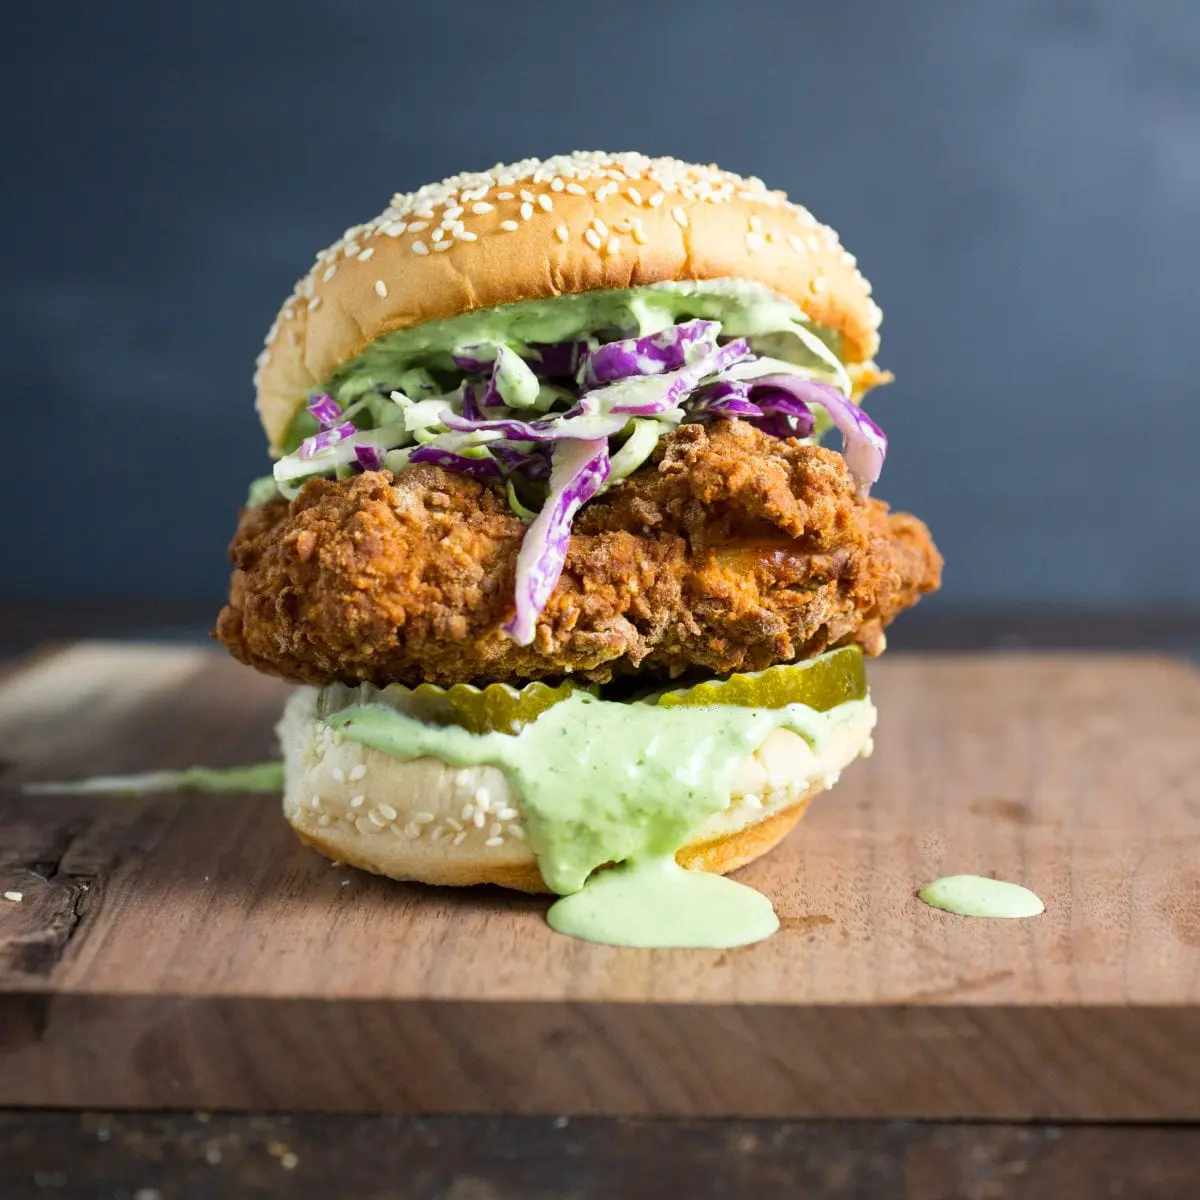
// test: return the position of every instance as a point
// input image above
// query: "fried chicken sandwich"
(554, 545)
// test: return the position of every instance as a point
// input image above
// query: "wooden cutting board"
(188, 952)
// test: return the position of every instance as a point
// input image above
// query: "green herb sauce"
(609, 783)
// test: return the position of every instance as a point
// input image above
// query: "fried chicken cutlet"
(732, 550)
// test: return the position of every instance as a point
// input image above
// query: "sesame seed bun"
(420, 820)
(534, 230)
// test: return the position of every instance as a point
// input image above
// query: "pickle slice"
(497, 708)
(821, 683)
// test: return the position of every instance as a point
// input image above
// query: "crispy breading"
(733, 550)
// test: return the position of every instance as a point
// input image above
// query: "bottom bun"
(426, 821)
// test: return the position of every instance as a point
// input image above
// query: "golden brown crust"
(734, 551)
(534, 237)
(718, 856)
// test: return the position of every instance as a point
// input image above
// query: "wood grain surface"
(204, 1156)
(187, 952)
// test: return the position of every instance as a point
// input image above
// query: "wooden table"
(188, 1153)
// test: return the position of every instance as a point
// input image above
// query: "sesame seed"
(314, 304)
(517, 832)
(377, 818)
(592, 238)
(657, 199)
(358, 772)
(315, 803)
(456, 825)
(819, 284)
(380, 288)
(420, 248)
(681, 218)
(418, 227)
(483, 797)
(480, 818)
(350, 249)
(639, 235)
(509, 226)
(367, 254)
(324, 820)
(634, 195)
(465, 235)
(756, 224)
(600, 227)
(387, 812)
(556, 184)
(395, 229)
(330, 272)
(545, 203)
(443, 246)
(437, 235)
(576, 190)
(754, 242)
(15, 897)
(797, 243)
(357, 801)
(437, 834)
(752, 801)
(613, 246)
(482, 207)
(364, 826)
(494, 841)
(468, 811)
(562, 233)
(526, 211)
(452, 214)
(526, 196)
(458, 838)
(423, 818)
(412, 831)
(339, 776)
(507, 814)
(494, 829)
(505, 196)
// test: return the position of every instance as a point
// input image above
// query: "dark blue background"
(1020, 179)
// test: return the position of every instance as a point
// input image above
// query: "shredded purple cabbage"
(656, 395)
(579, 471)
(533, 463)
(475, 360)
(576, 424)
(477, 468)
(325, 409)
(325, 439)
(667, 350)
(557, 360)
(370, 458)
(864, 443)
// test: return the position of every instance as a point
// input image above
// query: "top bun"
(536, 229)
